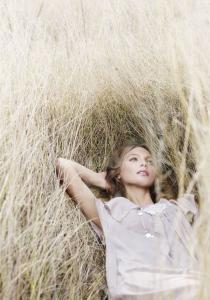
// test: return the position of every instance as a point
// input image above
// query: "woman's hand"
(105, 185)
(61, 165)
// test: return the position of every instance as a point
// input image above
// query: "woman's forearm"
(90, 177)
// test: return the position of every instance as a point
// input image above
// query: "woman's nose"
(143, 163)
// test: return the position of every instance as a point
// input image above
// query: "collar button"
(140, 213)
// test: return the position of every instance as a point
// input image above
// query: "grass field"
(78, 78)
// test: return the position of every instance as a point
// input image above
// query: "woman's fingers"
(107, 185)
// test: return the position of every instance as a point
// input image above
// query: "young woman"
(147, 240)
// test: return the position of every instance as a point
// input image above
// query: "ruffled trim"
(119, 212)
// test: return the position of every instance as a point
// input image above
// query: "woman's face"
(138, 168)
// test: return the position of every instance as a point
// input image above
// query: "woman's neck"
(139, 195)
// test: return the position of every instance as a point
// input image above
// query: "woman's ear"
(118, 178)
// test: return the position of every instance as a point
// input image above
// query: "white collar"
(118, 212)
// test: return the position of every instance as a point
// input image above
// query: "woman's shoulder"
(187, 203)
(117, 201)
(118, 206)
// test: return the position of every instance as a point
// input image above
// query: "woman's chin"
(143, 183)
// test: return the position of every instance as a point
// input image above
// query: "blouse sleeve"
(188, 205)
(98, 232)
(104, 217)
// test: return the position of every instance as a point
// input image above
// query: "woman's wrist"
(104, 184)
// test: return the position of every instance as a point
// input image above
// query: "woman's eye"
(133, 158)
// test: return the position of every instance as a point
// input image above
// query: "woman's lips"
(143, 173)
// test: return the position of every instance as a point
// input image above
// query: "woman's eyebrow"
(138, 155)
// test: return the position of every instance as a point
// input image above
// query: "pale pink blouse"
(149, 253)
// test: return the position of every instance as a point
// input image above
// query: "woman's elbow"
(63, 167)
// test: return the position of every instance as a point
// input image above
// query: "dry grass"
(78, 78)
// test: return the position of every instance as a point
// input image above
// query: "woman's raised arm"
(72, 173)
(90, 177)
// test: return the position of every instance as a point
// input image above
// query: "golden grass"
(77, 79)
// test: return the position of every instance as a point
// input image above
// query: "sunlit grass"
(78, 78)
